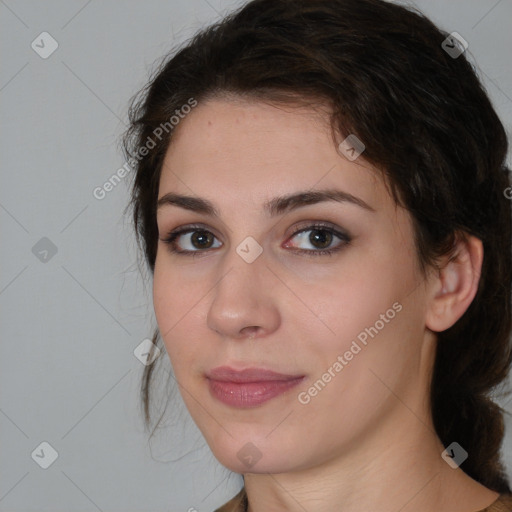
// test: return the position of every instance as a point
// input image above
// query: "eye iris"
(320, 238)
(202, 239)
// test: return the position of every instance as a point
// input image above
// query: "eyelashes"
(201, 241)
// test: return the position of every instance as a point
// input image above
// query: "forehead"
(251, 149)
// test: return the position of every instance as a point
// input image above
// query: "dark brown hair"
(427, 124)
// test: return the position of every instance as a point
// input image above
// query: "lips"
(250, 387)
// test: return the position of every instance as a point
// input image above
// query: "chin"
(246, 453)
(277, 463)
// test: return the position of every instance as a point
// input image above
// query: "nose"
(243, 305)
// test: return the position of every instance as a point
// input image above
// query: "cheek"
(172, 300)
(363, 314)
(376, 339)
(164, 297)
(175, 293)
(353, 297)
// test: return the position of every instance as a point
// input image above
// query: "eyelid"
(185, 228)
(312, 224)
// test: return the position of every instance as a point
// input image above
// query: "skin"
(366, 440)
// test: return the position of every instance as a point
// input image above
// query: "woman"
(319, 195)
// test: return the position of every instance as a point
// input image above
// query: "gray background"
(71, 322)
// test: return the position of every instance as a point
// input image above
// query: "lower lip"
(250, 394)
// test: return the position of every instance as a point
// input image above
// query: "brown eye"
(320, 238)
(191, 240)
(202, 239)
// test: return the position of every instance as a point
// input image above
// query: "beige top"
(239, 504)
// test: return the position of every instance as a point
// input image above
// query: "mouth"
(250, 387)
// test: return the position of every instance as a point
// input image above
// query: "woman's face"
(256, 289)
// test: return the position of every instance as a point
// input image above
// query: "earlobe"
(456, 284)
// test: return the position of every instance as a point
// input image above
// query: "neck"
(392, 469)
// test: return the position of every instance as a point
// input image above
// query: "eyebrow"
(273, 207)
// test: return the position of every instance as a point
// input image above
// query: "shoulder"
(239, 503)
(502, 504)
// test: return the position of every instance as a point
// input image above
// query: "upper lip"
(227, 374)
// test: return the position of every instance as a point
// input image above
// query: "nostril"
(251, 331)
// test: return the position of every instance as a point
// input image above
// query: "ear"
(453, 287)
